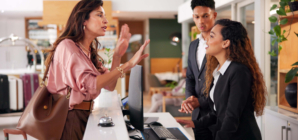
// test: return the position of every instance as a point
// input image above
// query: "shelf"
(288, 108)
(286, 58)
(11, 114)
(285, 71)
(37, 28)
(290, 15)
(282, 101)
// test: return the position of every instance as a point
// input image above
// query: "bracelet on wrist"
(121, 71)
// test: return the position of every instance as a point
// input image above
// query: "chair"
(156, 86)
(173, 110)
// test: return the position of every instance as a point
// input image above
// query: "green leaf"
(107, 49)
(296, 34)
(283, 38)
(291, 74)
(271, 32)
(284, 32)
(279, 48)
(273, 19)
(282, 4)
(272, 53)
(274, 37)
(195, 35)
(273, 42)
(273, 7)
(287, 1)
(277, 30)
(284, 21)
(295, 64)
(281, 12)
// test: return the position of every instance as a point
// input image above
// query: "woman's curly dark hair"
(206, 3)
(240, 50)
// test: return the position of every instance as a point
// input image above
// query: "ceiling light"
(253, 22)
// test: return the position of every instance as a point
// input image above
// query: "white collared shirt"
(201, 51)
(216, 74)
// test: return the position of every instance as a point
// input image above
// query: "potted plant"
(280, 36)
(109, 60)
(293, 4)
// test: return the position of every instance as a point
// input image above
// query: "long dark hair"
(74, 30)
(240, 50)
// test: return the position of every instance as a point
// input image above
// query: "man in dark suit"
(204, 16)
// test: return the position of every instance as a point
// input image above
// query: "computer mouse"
(155, 124)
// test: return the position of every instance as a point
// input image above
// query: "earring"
(84, 27)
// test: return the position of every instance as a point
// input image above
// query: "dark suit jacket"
(195, 80)
(234, 116)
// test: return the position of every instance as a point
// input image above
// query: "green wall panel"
(160, 31)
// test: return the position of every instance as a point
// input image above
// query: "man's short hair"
(206, 3)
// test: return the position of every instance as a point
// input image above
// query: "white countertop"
(282, 113)
(168, 121)
(106, 103)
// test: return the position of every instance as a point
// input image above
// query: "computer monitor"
(135, 94)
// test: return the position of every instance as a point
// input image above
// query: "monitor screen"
(135, 93)
(124, 101)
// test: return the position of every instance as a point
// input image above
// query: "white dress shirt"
(201, 51)
(216, 74)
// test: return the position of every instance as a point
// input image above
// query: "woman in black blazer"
(234, 84)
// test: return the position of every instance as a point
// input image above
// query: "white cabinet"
(280, 124)
(274, 127)
(292, 131)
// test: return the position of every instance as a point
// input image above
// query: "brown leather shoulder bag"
(45, 115)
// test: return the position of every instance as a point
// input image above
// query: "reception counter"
(108, 103)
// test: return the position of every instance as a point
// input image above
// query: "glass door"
(246, 15)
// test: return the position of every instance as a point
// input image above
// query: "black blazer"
(195, 80)
(233, 100)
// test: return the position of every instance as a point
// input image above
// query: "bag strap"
(45, 77)
(47, 70)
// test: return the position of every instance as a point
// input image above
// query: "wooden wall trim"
(158, 65)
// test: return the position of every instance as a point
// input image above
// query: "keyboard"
(162, 132)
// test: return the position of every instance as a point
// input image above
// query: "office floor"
(11, 121)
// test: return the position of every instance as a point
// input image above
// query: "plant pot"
(293, 6)
(291, 94)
